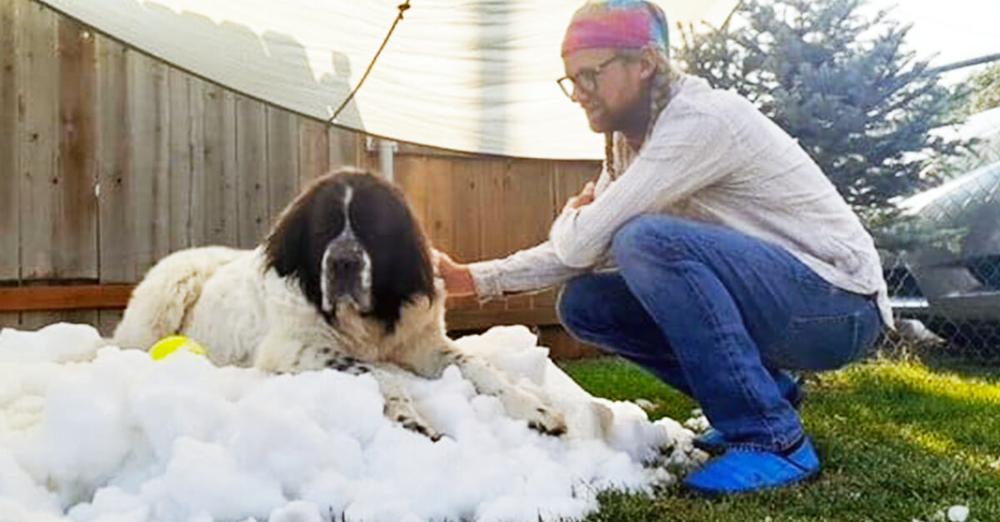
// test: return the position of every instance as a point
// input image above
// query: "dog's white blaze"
(366, 275)
(366, 270)
(324, 281)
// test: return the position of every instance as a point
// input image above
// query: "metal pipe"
(990, 58)
(386, 158)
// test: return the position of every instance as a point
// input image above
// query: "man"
(735, 257)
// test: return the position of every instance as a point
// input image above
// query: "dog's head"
(350, 239)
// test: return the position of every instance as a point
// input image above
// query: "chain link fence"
(942, 266)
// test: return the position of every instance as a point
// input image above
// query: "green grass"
(899, 441)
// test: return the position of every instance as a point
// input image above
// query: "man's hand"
(585, 197)
(457, 277)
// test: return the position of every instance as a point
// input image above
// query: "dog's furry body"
(343, 281)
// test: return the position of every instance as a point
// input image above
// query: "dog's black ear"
(294, 248)
(285, 244)
(401, 266)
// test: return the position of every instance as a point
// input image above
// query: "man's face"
(617, 86)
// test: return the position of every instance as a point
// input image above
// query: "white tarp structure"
(468, 75)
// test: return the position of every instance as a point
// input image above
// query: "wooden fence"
(110, 159)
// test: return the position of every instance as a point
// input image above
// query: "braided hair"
(617, 154)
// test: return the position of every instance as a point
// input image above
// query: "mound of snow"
(90, 432)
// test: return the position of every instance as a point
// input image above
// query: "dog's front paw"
(419, 426)
(547, 422)
(540, 416)
(399, 408)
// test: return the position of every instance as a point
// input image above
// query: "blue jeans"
(718, 314)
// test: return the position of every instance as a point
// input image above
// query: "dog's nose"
(345, 264)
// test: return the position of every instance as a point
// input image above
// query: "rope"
(402, 9)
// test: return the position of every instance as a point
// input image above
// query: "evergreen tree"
(845, 86)
(985, 90)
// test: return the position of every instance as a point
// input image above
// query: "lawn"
(899, 441)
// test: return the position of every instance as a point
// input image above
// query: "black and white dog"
(344, 280)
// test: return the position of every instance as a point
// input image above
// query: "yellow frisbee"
(168, 345)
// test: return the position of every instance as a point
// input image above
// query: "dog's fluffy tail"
(160, 303)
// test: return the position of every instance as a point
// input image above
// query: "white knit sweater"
(712, 157)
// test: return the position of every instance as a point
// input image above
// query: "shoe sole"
(809, 478)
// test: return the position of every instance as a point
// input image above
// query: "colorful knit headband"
(616, 24)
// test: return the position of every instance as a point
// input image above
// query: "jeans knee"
(632, 237)
(667, 236)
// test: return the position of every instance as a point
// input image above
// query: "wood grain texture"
(75, 216)
(217, 218)
(114, 156)
(252, 215)
(282, 160)
(38, 139)
(10, 236)
(51, 298)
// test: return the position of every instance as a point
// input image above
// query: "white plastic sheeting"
(468, 75)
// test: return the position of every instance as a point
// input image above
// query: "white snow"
(93, 433)
(958, 513)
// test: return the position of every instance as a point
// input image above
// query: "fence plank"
(410, 175)
(107, 320)
(38, 87)
(492, 209)
(562, 346)
(472, 319)
(251, 156)
(345, 148)
(437, 176)
(10, 320)
(114, 157)
(465, 180)
(196, 125)
(282, 160)
(493, 206)
(75, 232)
(179, 160)
(314, 150)
(527, 224)
(74, 302)
(219, 221)
(32, 321)
(71, 297)
(570, 177)
(148, 228)
(10, 240)
(76, 227)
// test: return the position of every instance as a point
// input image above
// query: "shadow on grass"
(987, 371)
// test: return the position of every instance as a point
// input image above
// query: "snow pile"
(92, 433)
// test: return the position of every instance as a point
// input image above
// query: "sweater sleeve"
(686, 152)
(528, 270)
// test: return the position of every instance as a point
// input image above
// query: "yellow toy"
(168, 345)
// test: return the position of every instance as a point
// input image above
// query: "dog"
(344, 280)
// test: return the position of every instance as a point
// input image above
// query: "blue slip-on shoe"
(742, 470)
(713, 442)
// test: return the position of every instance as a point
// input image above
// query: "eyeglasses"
(585, 79)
